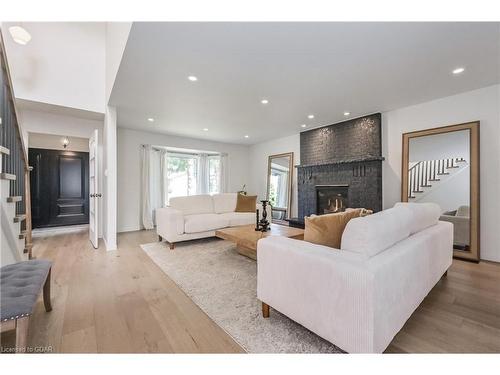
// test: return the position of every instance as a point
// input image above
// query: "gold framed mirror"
(441, 165)
(279, 185)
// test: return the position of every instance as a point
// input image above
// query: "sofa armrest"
(169, 222)
(461, 228)
(455, 220)
(326, 290)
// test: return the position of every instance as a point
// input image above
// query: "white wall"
(63, 64)
(259, 154)
(110, 187)
(474, 105)
(440, 146)
(54, 142)
(129, 171)
(116, 40)
(62, 125)
(451, 192)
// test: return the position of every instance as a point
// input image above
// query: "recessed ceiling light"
(20, 35)
(458, 70)
(205, 129)
(151, 119)
(192, 78)
(264, 101)
(246, 136)
(347, 113)
(310, 116)
(303, 125)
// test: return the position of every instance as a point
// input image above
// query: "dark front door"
(59, 187)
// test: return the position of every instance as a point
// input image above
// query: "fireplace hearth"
(331, 199)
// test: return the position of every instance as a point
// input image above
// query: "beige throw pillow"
(327, 229)
(246, 203)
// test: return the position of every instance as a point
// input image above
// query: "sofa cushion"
(327, 229)
(424, 215)
(194, 204)
(246, 203)
(240, 218)
(204, 222)
(224, 202)
(375, 233)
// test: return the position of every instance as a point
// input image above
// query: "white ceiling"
(302, 68)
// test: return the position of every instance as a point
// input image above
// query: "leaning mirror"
(279, 185)
(441, 165)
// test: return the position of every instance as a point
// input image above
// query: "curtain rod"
(177, 151)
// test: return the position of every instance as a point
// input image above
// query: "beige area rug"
(224, 285)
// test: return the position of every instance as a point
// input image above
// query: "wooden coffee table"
(246, 236)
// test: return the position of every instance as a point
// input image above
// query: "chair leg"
(265, 310)
(22, 325)
(46, 292)
(172, 245)
(445, 273)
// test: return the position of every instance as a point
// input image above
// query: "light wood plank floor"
(120, 301)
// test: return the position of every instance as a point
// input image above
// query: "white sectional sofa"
(360, 296)
(199, 216)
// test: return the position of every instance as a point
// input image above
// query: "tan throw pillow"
(327, 229)
(246, 203)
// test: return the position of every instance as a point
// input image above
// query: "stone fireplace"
(341, 166)
(331, 198)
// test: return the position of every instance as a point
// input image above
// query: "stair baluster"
(16, 162)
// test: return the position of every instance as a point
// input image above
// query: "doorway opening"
(59, 180)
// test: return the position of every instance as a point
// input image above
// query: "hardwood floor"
(120, 301)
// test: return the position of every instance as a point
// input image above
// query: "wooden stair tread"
(19, 218)
(16, 198)
(4, 150)
(7, 176)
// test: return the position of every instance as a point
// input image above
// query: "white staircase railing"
(423, 173)
(14, 168)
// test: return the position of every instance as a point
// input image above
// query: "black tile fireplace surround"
(346, 154)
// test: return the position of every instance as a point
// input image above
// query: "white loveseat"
(199, 216)
(360, 296)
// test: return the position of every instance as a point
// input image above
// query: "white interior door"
(94, 190)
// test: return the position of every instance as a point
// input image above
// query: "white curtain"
(154, 184)
(147, 213)
(223, 173)
(202, 174)
(164, 178)
(157, 181)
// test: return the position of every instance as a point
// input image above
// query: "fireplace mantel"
(351, 161)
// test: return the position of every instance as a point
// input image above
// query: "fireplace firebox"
(331, 198)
